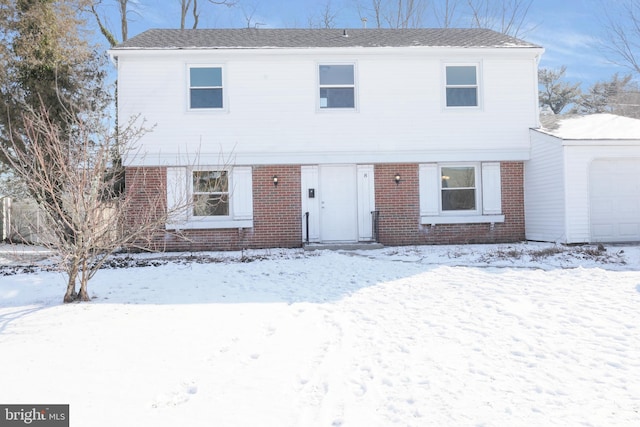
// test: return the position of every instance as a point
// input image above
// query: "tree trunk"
(83, 295)
(71, 295)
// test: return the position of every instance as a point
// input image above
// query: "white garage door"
(614, 192)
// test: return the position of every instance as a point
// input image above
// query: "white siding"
(544, 190)
(557, 198)
(271, 114)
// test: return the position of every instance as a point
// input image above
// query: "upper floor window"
(462, 85)
(337, 86)
(205, 87)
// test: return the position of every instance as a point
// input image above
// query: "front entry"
(338, 203)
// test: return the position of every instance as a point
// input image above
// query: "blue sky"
(568, 29)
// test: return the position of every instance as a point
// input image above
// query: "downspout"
(536, 64)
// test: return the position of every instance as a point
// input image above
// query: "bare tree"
(325, 18)
(505, 16)
(621, 42)
(444, 12)
(248, 11)
(70, 175)
(192, 5)
(556, 93)
(395, 13)
(123, 5)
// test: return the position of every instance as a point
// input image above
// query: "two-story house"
(277, 137)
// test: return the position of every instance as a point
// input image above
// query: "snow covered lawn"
(504, 335)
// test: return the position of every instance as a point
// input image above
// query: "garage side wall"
(544, 190)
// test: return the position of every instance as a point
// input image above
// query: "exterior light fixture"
(275, 180)
(397, 178)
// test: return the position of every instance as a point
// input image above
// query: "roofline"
(592, 141)
(534, 51)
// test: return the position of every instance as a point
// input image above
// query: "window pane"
(205, 77)
(206, 98)
(336, 75)
(458, 200)
(462, 97)
(342, 97)
(458, 177)
(210, 181)
(461, 75)
(210, 205)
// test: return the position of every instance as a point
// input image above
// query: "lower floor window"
(209, 197)
(453, 193)
(210, 193)
(458, 188)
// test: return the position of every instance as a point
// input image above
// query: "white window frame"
(477, 189)
(180, 194)
(319, 86)
(222, 87)
(193, 193)
(477, 86)
(488, 195)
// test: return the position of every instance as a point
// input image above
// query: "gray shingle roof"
(316, 38)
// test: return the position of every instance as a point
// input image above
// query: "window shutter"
(429, 193)
(242, 193)
(177, 195)
(491, 189)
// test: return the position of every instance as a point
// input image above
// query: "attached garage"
(614, 200)
(582, 182)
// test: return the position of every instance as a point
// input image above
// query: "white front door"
(338, 203)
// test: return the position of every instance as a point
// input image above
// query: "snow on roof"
(593, 126)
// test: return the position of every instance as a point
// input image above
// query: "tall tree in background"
(619, 95)
(325, 18)
(93, 6)
(554, 92)
(187, 8)
(505, 16)
(622, 33)
(444, 12)
(191, 6)
(394, 13)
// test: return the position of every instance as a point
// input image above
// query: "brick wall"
(399, 207)
(278, 217)
(276, 212)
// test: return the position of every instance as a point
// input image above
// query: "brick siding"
(278, 217)
(276, 212)
(399, 207)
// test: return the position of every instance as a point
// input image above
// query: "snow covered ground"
(483, 335)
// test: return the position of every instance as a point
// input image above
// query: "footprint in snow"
(176, 397)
